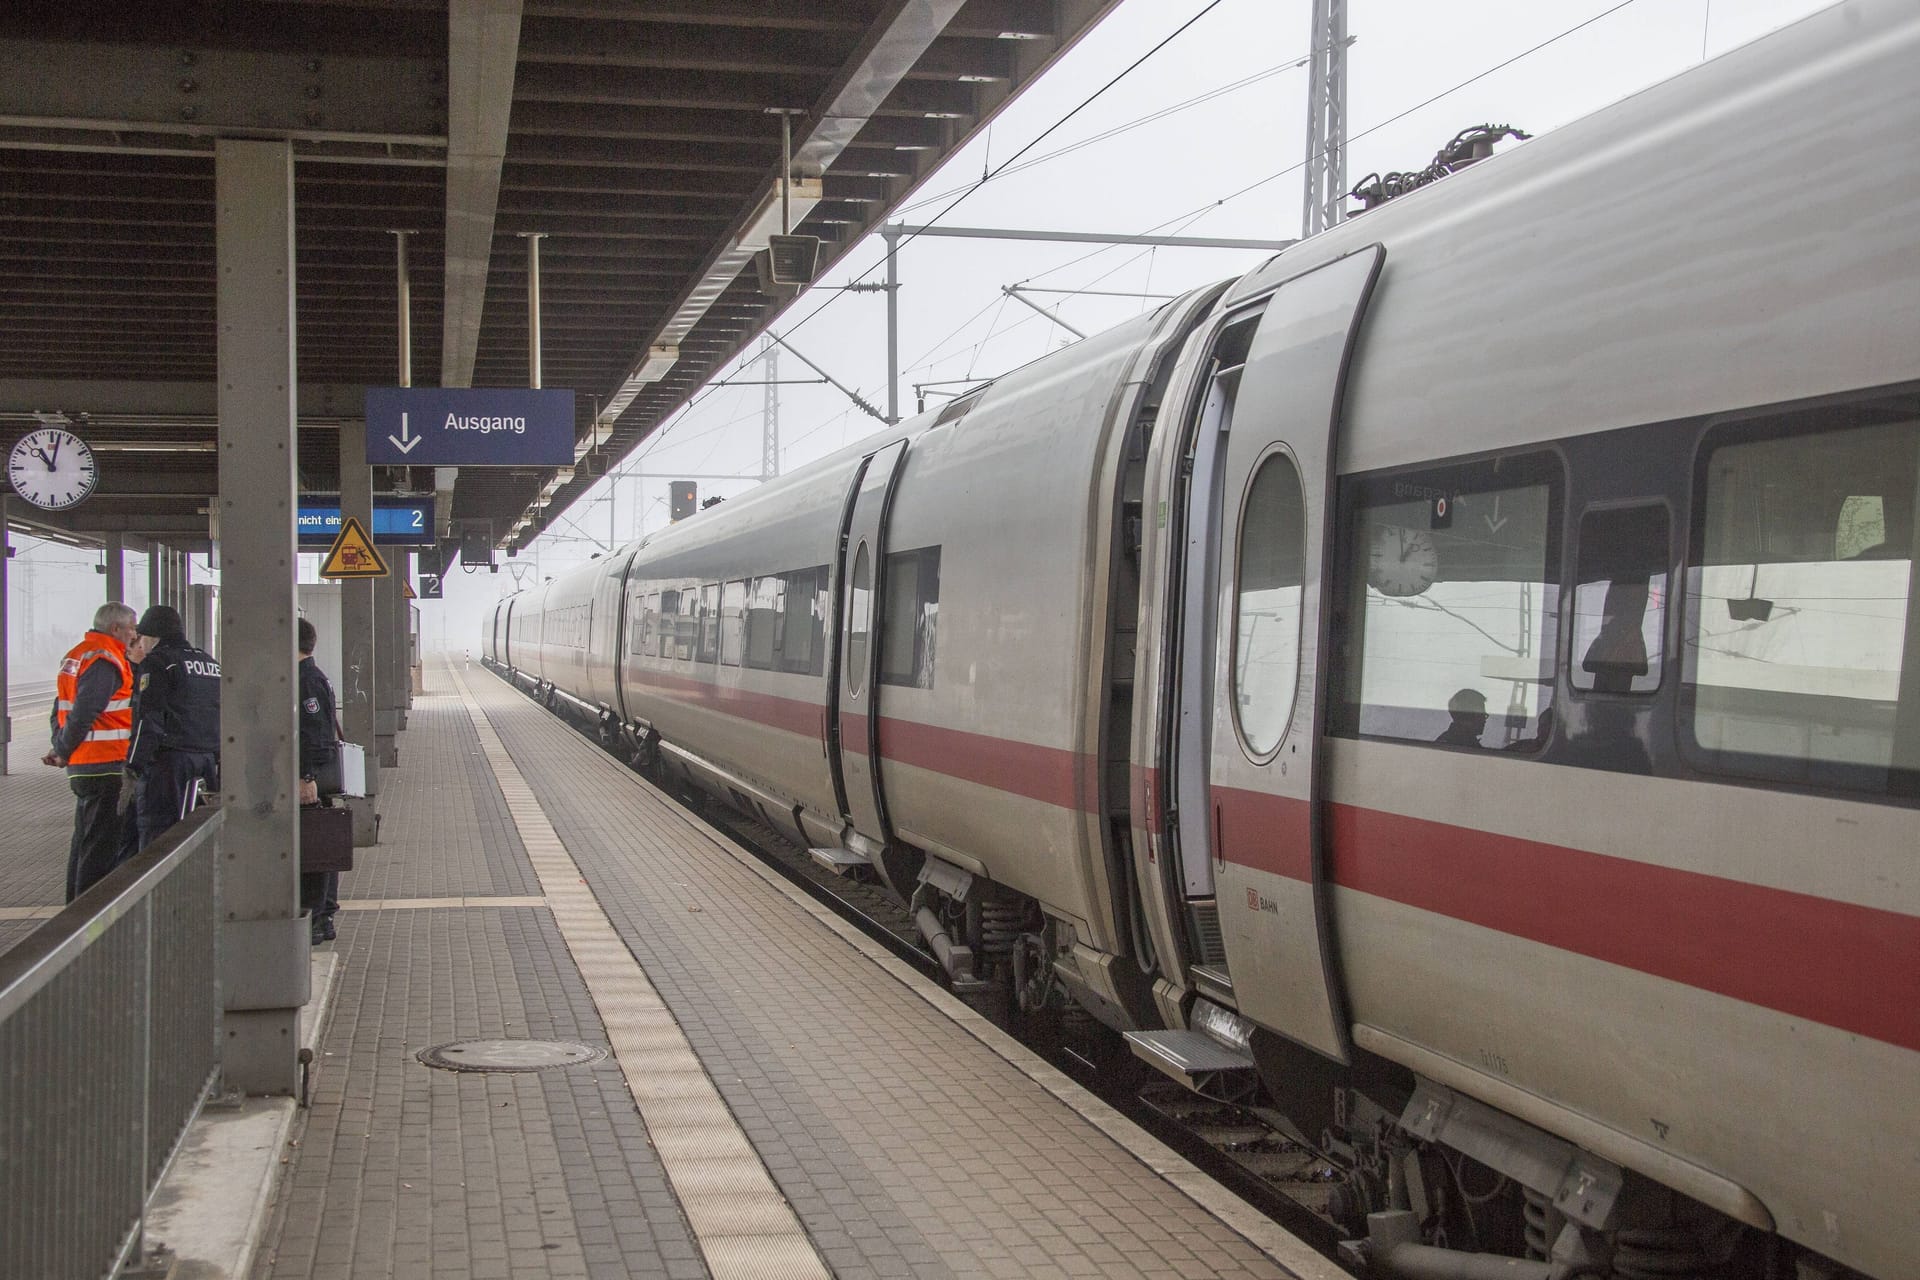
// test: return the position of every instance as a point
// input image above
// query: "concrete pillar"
(264, 944)
(359, 647)
(6, 711)
(115, 555)
(402, 640)
(386, 722)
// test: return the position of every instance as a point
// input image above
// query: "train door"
(1269, 670)
(854, 659)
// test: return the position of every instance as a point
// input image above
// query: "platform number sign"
(52, 468)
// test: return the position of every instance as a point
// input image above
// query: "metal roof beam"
(784, 15)
(595, 43)
(158, 399)
(483, 41)
(159, 87)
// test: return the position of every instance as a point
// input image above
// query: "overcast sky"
(1224, 166)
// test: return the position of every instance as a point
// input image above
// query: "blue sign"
(469, 427)
(396, 521)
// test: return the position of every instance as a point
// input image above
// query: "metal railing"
(109, 1042)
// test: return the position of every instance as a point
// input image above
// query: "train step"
(842, 862)
(1203, 1064)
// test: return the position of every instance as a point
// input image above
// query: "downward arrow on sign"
(1495, 522)
(404, 442)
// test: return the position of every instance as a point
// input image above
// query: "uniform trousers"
(164, 787)
(96, 847)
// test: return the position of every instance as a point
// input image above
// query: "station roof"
(640, 139)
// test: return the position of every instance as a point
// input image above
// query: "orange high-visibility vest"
(107, 740)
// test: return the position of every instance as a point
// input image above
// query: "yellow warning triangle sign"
(406, 590)
(352, 554)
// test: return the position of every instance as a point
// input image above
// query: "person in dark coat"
(319, 776)
(176, 734)
(1469, 711)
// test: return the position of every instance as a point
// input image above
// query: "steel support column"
(262, 934)
(156, 557)
(1324, 191)
(114, 553)
(359, 644)
(387, 663)
(891, 234)
(6, 710)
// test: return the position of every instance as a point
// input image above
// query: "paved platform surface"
(780, 1098)
(36, 827)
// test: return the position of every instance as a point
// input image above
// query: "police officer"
(92, 726)
(319, 776)
(176, 735)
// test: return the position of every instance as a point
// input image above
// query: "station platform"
(778, 1096)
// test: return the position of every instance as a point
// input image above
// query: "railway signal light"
(684, 499)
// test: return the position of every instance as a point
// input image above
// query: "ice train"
(1450, 686)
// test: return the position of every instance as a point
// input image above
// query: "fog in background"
(1204, 138)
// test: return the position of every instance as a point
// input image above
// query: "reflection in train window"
(1455, 588)
(910, 628)
(643, 623)
(764, 603)
(859, 604)
(1268, 571)
(709, 622)
(1620, 600)
(803, 624)
(1798, 612)
(733, 623)
(666, 627)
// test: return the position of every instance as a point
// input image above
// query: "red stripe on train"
(1063, 778)
(1845, 966)
(791, 714)
(1851, 967)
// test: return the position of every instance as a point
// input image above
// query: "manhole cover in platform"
(509, 1055)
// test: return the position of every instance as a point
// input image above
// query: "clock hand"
(51, 462)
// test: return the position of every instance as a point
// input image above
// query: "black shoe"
(326, 930)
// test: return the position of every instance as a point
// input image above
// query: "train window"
(803, 624)
(1620, 600)
(859, 606)
(910, 626)
(1454, 587)
(1269, 572)
(764, 605)
(643, 623)
(1799, 610)
(733, 623)
(665, 618)
(709, 622)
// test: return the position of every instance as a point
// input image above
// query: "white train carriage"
(1459, 670)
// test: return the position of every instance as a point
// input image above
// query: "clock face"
(52, 468)
(1402, 562)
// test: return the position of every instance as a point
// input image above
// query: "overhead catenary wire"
(658, 436)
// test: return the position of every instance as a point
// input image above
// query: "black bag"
(326, 839)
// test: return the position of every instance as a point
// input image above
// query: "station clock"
(52, 468)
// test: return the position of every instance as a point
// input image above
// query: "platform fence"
(109, 1043)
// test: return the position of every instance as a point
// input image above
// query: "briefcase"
(326, 839)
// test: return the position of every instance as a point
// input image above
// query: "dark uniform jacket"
(319, 744)
(177, 693)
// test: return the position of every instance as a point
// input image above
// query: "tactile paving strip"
(744, 1226)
